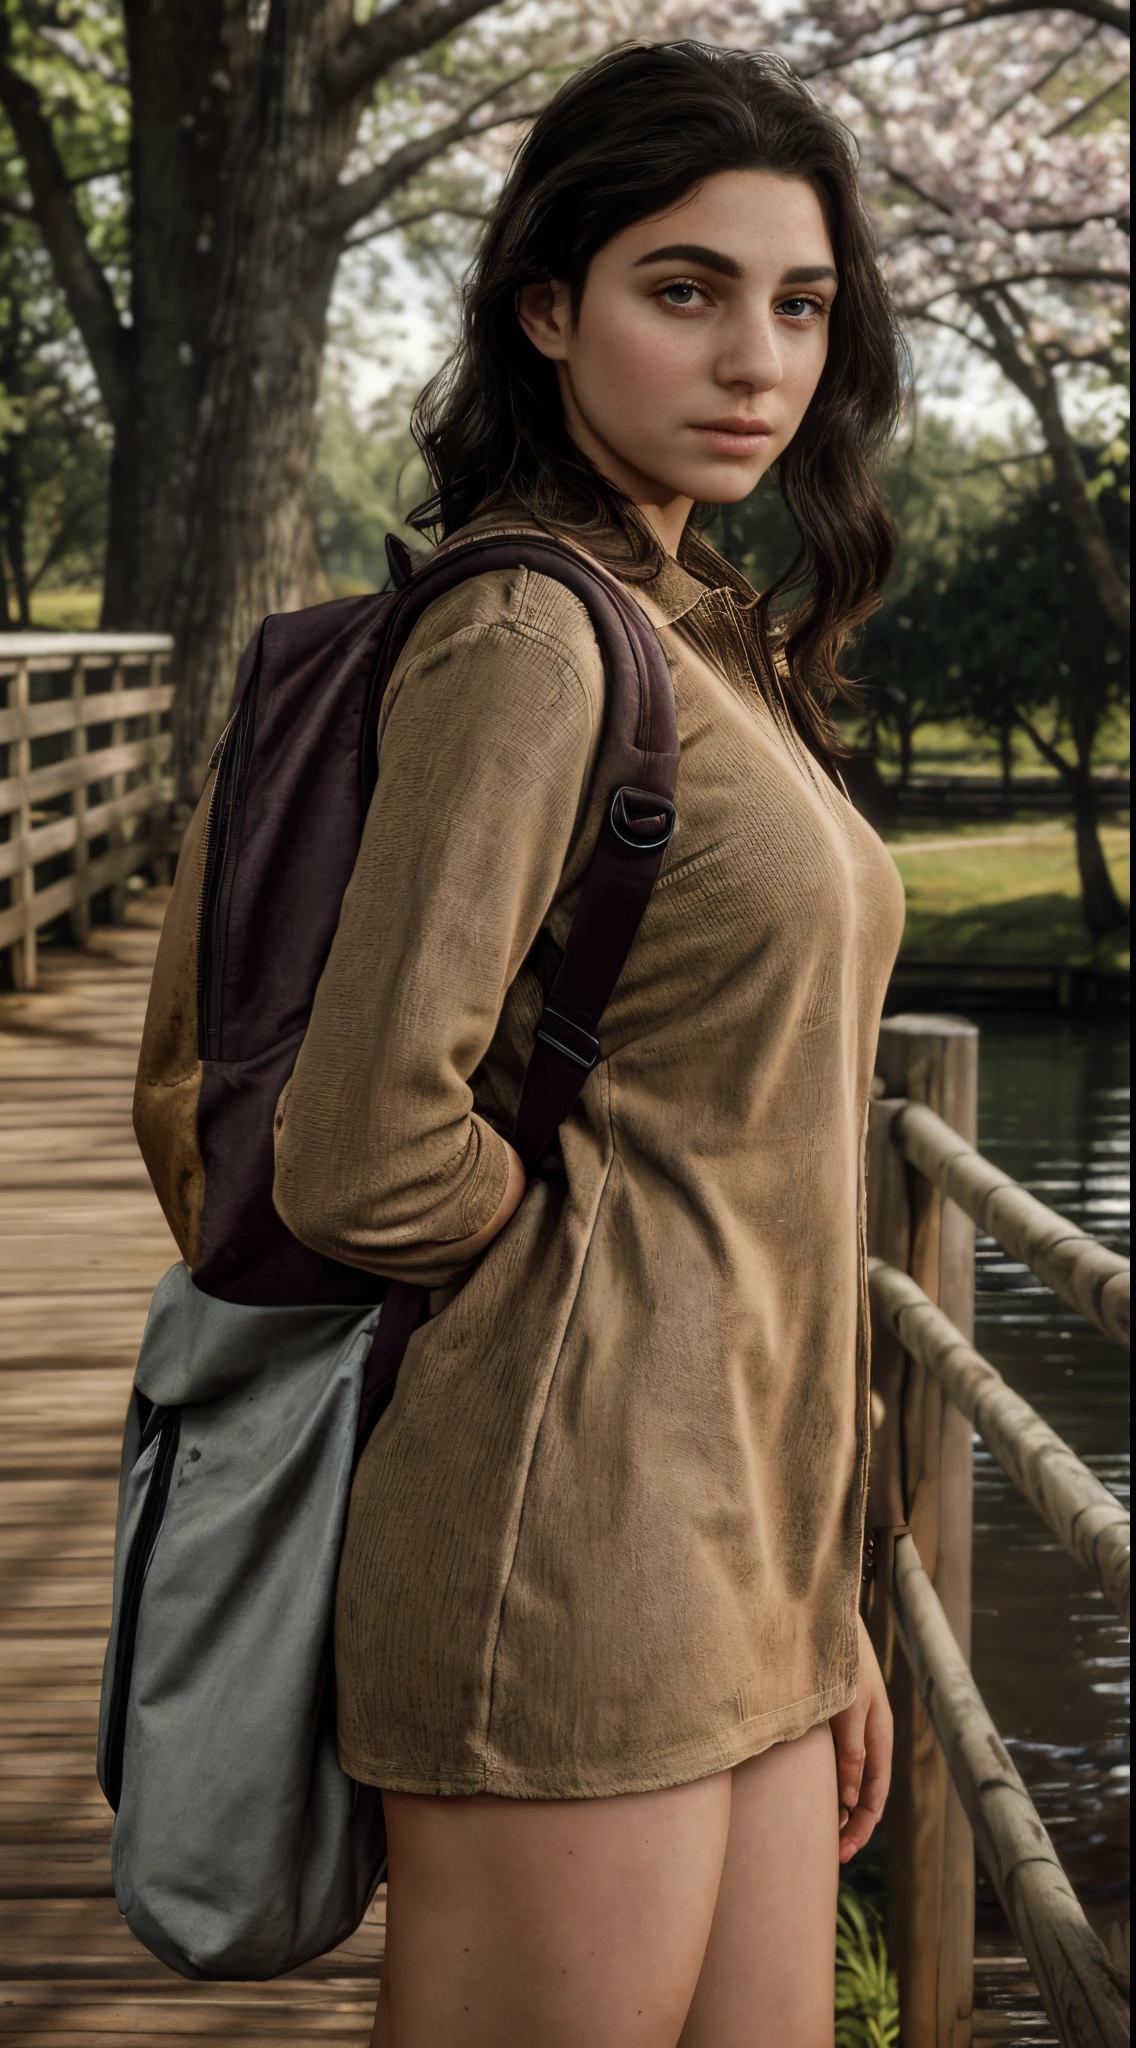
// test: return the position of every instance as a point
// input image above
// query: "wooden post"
(81, 908)
(157, 822)
(118, 788)
(23, 889)
(932, 1060)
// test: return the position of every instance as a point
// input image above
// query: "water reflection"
(1050, 1654)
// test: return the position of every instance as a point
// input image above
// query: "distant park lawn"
(66, 611)
(1010, 894)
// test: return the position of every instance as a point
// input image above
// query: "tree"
(995, 152)
(53, 443)
(1016, 635)
(202, 301)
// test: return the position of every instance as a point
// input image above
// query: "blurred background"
(232, 239)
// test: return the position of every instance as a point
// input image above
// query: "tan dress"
(607, 1537)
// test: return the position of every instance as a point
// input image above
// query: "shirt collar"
(674, 586)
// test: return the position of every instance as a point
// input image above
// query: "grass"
(1004, 894)
(66, 611)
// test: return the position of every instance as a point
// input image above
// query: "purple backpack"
(295, 772)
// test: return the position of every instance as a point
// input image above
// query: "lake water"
(1050, 1654)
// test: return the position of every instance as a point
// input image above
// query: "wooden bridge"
(82, 1242)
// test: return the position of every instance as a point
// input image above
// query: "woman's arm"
(489, 734)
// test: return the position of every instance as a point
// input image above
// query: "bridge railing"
(84, 783)
(954, 1782)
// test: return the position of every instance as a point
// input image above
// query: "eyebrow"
(726, 266)
(692, 252)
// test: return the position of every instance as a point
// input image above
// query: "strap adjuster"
(568, 1038)
(641, 819)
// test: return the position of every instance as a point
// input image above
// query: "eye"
(801, 309)
(683, 292)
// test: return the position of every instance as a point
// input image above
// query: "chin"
(720, 483)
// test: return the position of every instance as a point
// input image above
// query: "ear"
(544, 311)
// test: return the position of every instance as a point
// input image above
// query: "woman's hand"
(863, 1736)
(472, 1247)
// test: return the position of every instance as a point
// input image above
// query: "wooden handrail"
(40, 650)
(1079, 1985)
(1082, 1271)
(1092, 1525)
(59, 810)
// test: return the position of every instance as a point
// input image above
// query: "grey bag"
(240, 1848)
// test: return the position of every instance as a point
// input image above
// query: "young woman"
(598, 1634)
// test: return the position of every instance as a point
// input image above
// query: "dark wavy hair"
(625, 139)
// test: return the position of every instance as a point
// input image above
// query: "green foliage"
(54, 444)
(1014, 626)
(54, 440)
(867, 1997)
(757, 535)
(368, 475)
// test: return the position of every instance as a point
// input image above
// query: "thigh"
(767, 1978)
(563, 1922)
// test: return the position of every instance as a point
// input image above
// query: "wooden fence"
(954, 1783)
(84, 789)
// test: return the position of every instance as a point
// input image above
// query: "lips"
(734, 436)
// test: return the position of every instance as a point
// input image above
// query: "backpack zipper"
(234, 750)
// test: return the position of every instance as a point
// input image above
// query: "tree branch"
(84, 285)
(370, 48)
(1045, 748)
(1098, 99)
(946, 19)
(1033, 377)
(411, 220)
(351, 203)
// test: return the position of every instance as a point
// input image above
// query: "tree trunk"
(1031, 372)
(234, 148)
(1006, 750)
(906, 750)
(1103, 911)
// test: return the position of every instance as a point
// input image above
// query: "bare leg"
(767, 1976)
(560, 1922)
(615, 1920)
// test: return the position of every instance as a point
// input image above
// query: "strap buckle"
(641, 819)
(576, 1044)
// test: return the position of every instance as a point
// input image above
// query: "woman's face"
(701, 337)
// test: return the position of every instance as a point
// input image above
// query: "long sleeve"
(488, 737)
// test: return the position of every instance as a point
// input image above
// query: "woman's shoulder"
(521, 646)
(521, 614)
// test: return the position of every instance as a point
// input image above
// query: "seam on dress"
(508, 1578)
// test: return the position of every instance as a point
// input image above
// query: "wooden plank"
(47, 904)
(1081, 1987)
(61, 714)
(1091, 1524)
(1090, 1277)
(44, 842)
(84, 1243)
(88, 1938)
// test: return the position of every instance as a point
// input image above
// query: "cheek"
(803, 371)
(629, 363)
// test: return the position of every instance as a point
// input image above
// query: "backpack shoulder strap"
(635, 773)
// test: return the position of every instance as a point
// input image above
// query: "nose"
(750, 357)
